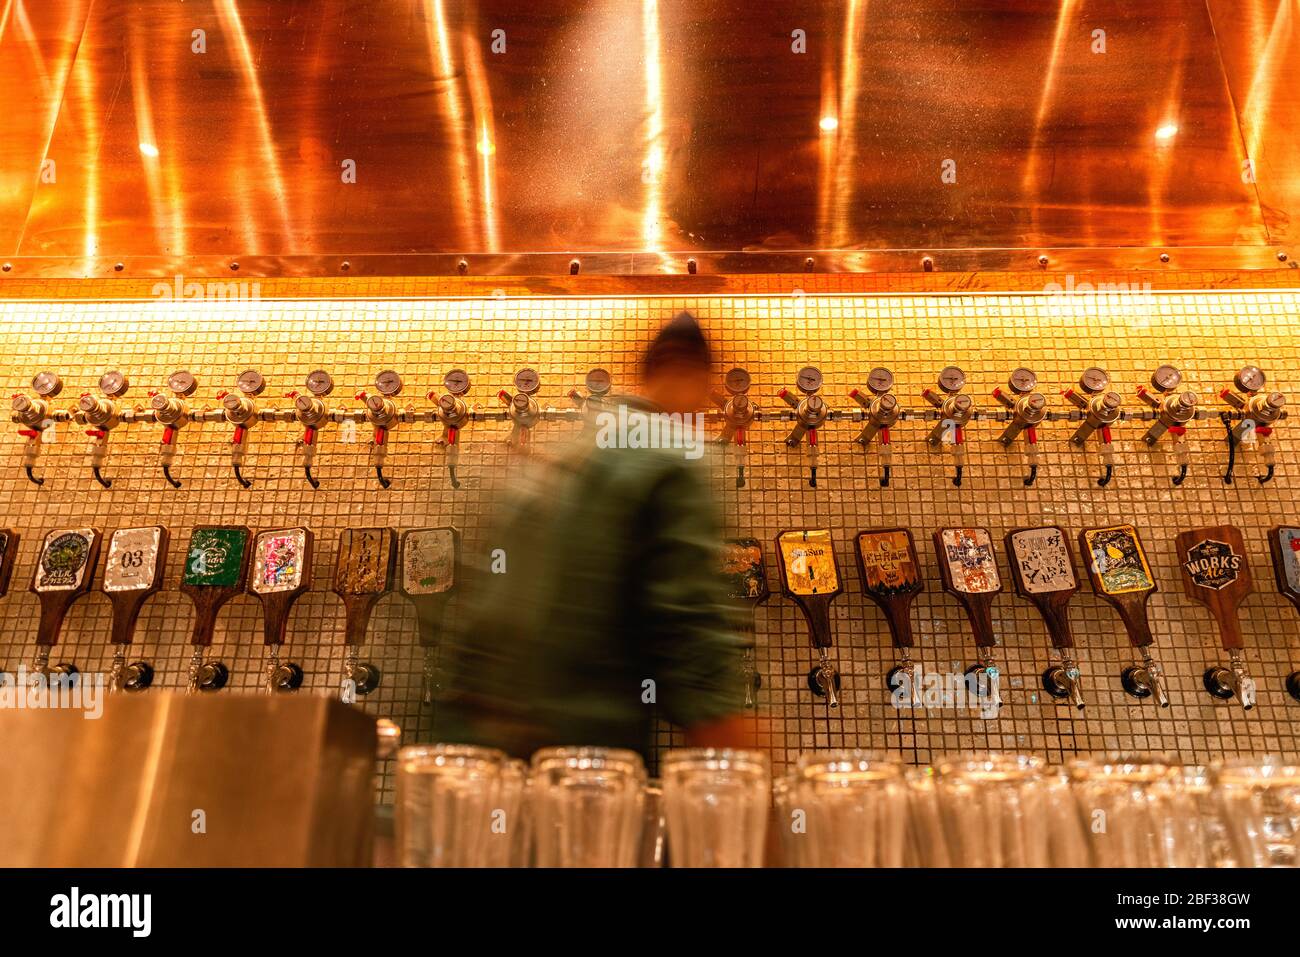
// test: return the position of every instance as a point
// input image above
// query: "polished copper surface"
(637, 134)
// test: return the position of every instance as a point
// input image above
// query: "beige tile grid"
(1208, 335)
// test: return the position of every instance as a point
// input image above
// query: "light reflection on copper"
(653, 166)
(444, 71)
(147, 136)
(843, 172)
(1046, 97)
(480, 98)
(233, 27)
(1259, 97)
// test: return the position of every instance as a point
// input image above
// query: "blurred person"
(611, 602)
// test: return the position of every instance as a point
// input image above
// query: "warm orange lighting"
(148, 149)
(1167, 132)
(829, 124)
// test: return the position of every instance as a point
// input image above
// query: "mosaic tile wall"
(1209, 335)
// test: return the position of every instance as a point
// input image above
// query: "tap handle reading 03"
(65, 570)
(216, 570)
(890, 572)
(810, 577)
(133, 571)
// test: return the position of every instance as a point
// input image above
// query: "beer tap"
(738, 414)
(311, 412)
(65, 570)
(882, 411)
(522, 409)
(1259, 411)
(241, 411)
(454, 413)
(1042, 567)
(102, 415)
(281, 574)
(35, 419)
(955, 411)
(1284, 546)
(810, 577)
(216, 570)
(1101, 410)
(1028, 409)
(1173, 412)
(8, 554)
(429, 563)
(382, 412)
(363, 574)
(132, 572)
(746, 577)
(173, 414)
(1121, 575)
(810, 413)
(969, 570)
(1216, 574)
(890, 572)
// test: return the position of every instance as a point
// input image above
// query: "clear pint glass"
(994, 810)
(716, 803)
(446, 798)
(1260, 798)
(587, 807)
(856, 804)
(1136, 811)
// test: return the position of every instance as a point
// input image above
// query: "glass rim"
(449, 755)
(1263, 769)
(1129, 766)
(725, 758)
(1006, 764)
(587, 757)
(852, 765)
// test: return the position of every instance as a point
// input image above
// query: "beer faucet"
(1217, 574)
(281, 573)
(241, 411)
(132, 572)
(738, 414)
(1173, 412)
(1121, 575)
(746, 577)
(363, 574)
(102, 415)
(216, 570)
(311, 412)
(1284, 546)
(882, 412)
(890, 572)
(173, 414)
(522, 409)
(1101, 410)
(955, 411)
(427, 573)
(810, 577)
(382, 412)
(810, 413)
(454, 413)
(1259, 410)
(65, 571)
(35, 419)
(968, 568)
(1028, 409)
(1042, 568)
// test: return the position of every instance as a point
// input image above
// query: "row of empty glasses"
(462, 806)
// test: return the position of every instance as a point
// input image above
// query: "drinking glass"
(446, 796)
(1135, 810)
(783, 802)
(927, 846)
(508, 840)
(994, 810)
(856, 804)
(1212, 843)
(1260, 798)
(716, 802)
(653, 826)
(587, 806)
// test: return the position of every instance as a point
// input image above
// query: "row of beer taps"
(1248, 416)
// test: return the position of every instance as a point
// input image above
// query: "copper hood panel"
(638, 132)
